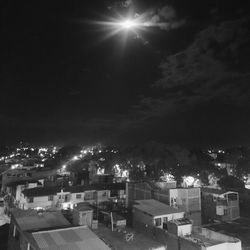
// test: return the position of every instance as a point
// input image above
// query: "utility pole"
(112, 221)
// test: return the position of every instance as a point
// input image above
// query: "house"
(187, 199)
(15, 175)
(62, 198)
(34, 230)
(219, 204)
(169, 226)
(152, 213)
(16, 188)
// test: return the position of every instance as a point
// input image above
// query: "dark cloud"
(205, 88)
(165, 18)
(215, 65)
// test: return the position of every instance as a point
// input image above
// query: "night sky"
(185, 80)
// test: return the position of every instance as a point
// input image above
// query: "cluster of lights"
(119, 172)
(190, 181)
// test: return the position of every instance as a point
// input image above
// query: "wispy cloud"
(165, 18)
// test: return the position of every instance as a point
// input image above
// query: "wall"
(173, 216)
(20, 188)
(82, 217)
(187, 198)
(228, 242)
(162, 196)
(208, 208)
(139, 216)
(102, 195)
(138, 191)
(74, 200)
(41, 201)
(184, 229)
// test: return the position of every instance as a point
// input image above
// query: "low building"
(187, 199)
(62, 198)
(218, 204)
(152, 213)
(83, 215)
(32, 230)
(15, 175)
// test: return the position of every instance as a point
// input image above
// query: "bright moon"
(128, 24)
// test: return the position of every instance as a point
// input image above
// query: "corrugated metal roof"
(31, 220)
(74, 238)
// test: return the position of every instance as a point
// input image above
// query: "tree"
(231, 182)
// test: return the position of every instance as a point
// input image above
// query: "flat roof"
(83, 206)
(202, 240)
(45, 191)
(80, 238)
(32, 220)
(155, 208)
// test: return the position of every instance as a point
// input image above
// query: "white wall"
(173, 216)
(230, 243)
(74, 200)
(184, 229)
(41, 201)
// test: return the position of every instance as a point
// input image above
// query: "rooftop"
(154, 207)
(45, 191)
(80, 238)
(207, 237)
(202, 240)
(32, 220)
(117, 239)
(83, 206)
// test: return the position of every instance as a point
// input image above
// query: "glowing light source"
(75, 158)
(128, 24)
